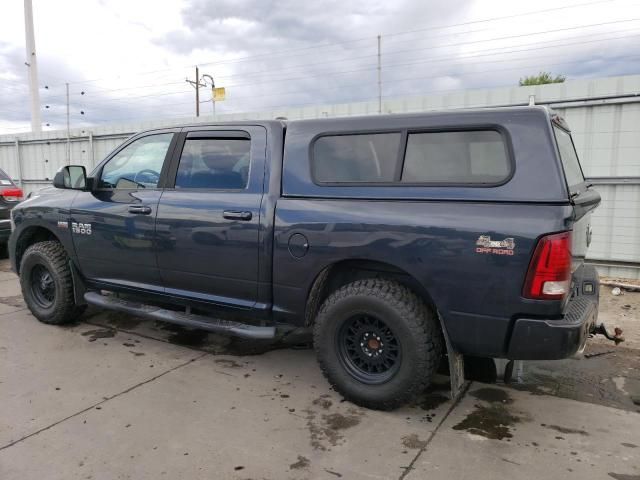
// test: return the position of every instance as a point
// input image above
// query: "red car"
(10, 195)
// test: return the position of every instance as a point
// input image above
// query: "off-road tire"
(411, 321)
(52, 256)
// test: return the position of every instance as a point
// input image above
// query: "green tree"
(541, 79)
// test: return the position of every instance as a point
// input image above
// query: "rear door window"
(219, 163)
(364, 158)
(477, 157)
(569, 157)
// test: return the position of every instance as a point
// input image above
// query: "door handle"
(234, 215)
(140, 209)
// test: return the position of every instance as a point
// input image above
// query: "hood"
(50, 197)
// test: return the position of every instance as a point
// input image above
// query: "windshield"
(569, 157)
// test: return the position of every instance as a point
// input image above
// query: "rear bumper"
(540, 339)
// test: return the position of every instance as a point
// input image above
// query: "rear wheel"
(377, 343)
(47, 287)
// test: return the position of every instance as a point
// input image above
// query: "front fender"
(41, 216)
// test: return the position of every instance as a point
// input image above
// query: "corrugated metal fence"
(604, 115)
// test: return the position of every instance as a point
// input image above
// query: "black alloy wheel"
(43, 288)
(368, 349)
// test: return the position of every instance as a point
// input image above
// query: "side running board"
(180, 318)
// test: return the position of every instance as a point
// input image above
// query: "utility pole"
(197, 86)
(32, 65)
(379, 75)
(68, 129)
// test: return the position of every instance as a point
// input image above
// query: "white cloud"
(130, 58)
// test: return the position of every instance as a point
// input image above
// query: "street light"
(213, 85)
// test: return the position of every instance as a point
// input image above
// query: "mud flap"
(456, 365)
(79, 288)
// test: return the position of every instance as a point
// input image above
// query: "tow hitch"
(601, 329)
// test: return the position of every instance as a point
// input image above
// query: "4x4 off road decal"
(484, 244)
(81, 228)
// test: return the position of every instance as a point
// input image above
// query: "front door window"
(138, 165)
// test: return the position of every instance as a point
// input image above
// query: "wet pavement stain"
(328, 432)
(225, 362)
(586, 379)
(122, 321)
(14, 301)
(432, 401)
(323, 401)
(188, 338)
(315, 431)
(413, 441)
(243, 346)
(492, 421)
(210, 342)
(492, 395)
(337, 421)
(303, 462)
(218, 344)
(99, 333)
(560, 429)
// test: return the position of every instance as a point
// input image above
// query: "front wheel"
(377, 343)
(47, 287)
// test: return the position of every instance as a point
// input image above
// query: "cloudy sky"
(127, 61)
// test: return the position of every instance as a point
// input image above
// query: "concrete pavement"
(115, 397)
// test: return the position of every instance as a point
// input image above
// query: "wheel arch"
(30, 235)
(337, 274)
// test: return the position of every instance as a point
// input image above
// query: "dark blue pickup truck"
(396, 239)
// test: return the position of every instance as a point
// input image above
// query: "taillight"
(11, 194)
(549, 274)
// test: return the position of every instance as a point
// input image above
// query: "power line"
(397, 95)
(390, 97)
(428, 60)
(440, 27)
(509, 37)
(110, 100)
(431, 47)
(316, 46)
(102, 90)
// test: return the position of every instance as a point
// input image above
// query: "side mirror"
(72, 177)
